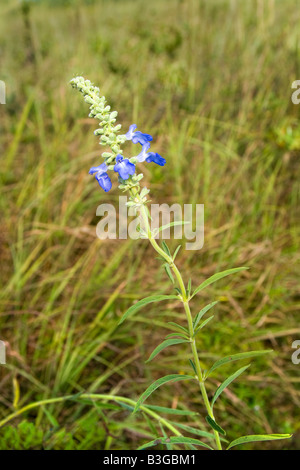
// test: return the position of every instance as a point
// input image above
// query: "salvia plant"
(129, 179)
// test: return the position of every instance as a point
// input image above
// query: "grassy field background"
(211, 81)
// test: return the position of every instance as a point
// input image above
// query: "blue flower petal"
(95, 169)
(119, 158)
(139, 137)
(124, 167)
(141, 157)
(155, 158)
(129, 134)
(104, 181)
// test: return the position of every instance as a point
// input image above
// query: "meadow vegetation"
(211, 81)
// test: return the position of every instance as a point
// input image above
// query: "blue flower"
(141, 157)
(129, 134)
(100, 168)
(149, 157)
(156, 158)
(137, 137)
(124, 167)
(101, 176)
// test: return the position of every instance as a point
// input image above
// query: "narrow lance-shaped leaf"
(236, 357)
(126, 406)
(172, 411)
(151, 425)
(189, 287)
(258, 438)
(193, 366)
(157, 384)
(141, 303)
(175, 335)
(227, 382)
(179, 327)
(176, 252)
(215, 426)
(166, 248)
(216, 277)
(172, 224)
(203, 324)
(169, 272)
(197, 432)
(202, 312)
(164, 345)
(175, 440)
(167, 441)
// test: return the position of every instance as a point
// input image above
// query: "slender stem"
(185, 301)
(91, 396)
(199, 371)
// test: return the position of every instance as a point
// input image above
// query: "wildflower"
(124, 167)
(141, 157)
(129, 134)
(137, 136)
(101, 176)
(149, 157)
(156, 158)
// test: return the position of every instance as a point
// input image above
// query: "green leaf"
(227, 382)
(52, 419)
(166, 248)
(75, 396)
(151, 425)
(258, 438)
(202, 312)
(193, 366)
(178, 326)
(236, 357)
(164, 345)
(175, 440)
(195, 431)
(169, 446)
(172, 224)
(141, 303)
(215, 426)
(157, 384)
(216, 277)
(175, 335)
(169, 272)
(189, 287)
(203, 324)
(176, 252)
(172, 411)
(125, 405)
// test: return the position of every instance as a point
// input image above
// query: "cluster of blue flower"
(123, 166)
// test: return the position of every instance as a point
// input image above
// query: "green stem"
(185, 301)
(91, 396)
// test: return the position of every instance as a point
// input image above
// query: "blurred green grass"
(211, 81)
